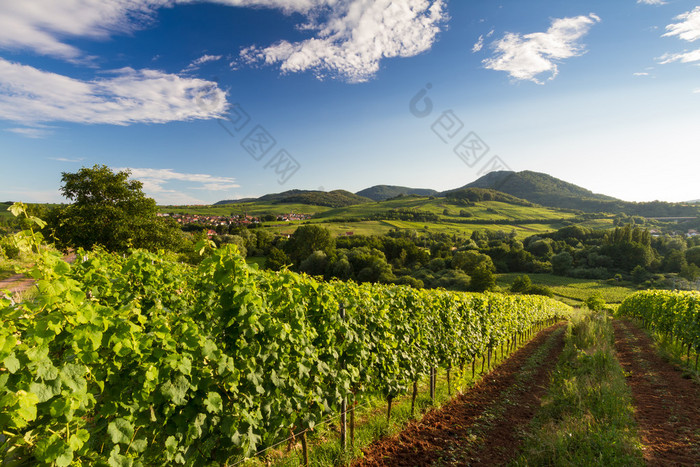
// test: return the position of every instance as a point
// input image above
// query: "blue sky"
(222, 99)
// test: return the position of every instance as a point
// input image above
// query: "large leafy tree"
(111, 210)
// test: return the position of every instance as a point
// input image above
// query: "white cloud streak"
(353, 36)
(34, 133)
(201, 61)
(652, 2)
(30, 95)
(154, 179)
(478, 45)
(687, 28)
(526, 57)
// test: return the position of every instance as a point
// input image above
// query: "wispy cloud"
(352, 37)
(652, 2)
(155, 179)
(201, 61)
(526, 57)
(30, 95)
(686, 27)
(641, 73)
(478, 45)
(66, 159)
(43, 25)
(34, 133)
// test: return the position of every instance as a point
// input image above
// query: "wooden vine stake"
(413, 397)
(344, 403)
(389, 399)
(432, 384)
(305, 449)
(352, 422)
(449, 388)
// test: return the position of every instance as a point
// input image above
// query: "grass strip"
(587, 417)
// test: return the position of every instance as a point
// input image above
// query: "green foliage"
(137, 359)
(539, 289)
(639, 274)
(562, 263)
(521, 284)
(483, 279)
(595, 302)
(307, 239)
(109, 210)
(672, 313)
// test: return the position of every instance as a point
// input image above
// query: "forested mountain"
(549, 191)
(384, 192)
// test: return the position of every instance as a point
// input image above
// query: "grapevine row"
(675, 314)
(141, 360)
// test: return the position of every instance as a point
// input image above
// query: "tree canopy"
(110, 210)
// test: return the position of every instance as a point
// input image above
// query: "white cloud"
(47, 26)
(201, 61)
(685, 57)
(641, 74)
(154, 179)
(353, 36)
(526, 57)
(652, 2)
(687, 27)
(34, 133)
(44, 25)
(31, 95)
(478, 45)
(66, 159)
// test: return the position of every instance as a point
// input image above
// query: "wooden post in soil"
(449, 389)
(389, 399)
(352, 422)
(432, 384)
(473, 367)
(413, 397)
(305, 449)
(344, 403)
(489, 357)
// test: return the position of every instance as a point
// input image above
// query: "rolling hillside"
(549, 191)
(384, 192)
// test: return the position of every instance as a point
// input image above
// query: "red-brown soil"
(667, 405)
(461, 432)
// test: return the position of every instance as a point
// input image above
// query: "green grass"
(574, 291)
(587, 417)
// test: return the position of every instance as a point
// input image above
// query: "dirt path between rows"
(667, 405)
(16, 284)
(481, 427)
(19, 282)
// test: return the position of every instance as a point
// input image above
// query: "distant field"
(451, 223)
(253, 209)
(573, 291)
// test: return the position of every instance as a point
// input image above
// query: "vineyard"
(140, 360)
(673, 314)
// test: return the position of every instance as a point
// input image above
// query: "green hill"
(333, 199)
(384, 192)
(549, 191)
